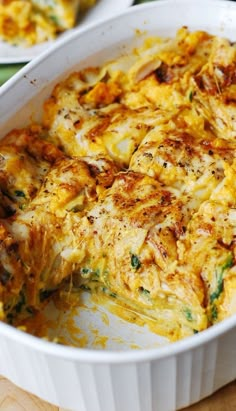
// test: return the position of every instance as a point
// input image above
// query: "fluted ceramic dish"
(158, 376)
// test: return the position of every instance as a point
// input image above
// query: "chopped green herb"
(219, 288)
(105, 290)
(220, 285)
(214, 312)
(55, 19)
(96, 272)
(84, 287)
(144, 291)
(19, 193)
(188, 314)
(22, 206)
(85, 270)
(195, 331)
(190, 96)
(135, 262)
(228, 263)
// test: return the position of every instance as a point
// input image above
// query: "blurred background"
(8, 70)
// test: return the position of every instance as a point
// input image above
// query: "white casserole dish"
(164, 378)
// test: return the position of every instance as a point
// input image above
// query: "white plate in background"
(104, 8)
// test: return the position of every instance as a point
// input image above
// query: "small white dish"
(104, 8)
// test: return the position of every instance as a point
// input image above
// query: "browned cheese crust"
(128, 187)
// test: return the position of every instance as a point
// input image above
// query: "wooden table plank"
(222, 400)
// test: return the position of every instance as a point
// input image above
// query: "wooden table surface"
(14, 399)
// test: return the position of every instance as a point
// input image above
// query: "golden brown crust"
(130, 186)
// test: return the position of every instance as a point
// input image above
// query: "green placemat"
(142, 1)
(8, 70)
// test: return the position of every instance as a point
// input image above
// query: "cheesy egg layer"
(28, 22)
(128, 188)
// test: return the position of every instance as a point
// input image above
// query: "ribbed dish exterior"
(167, 384)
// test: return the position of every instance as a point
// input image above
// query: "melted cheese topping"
(128, 188)
(27, 22)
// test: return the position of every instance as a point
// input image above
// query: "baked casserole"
(28, 22)
(127, 188)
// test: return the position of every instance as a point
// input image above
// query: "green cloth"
(142, 1)
(8, 70)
